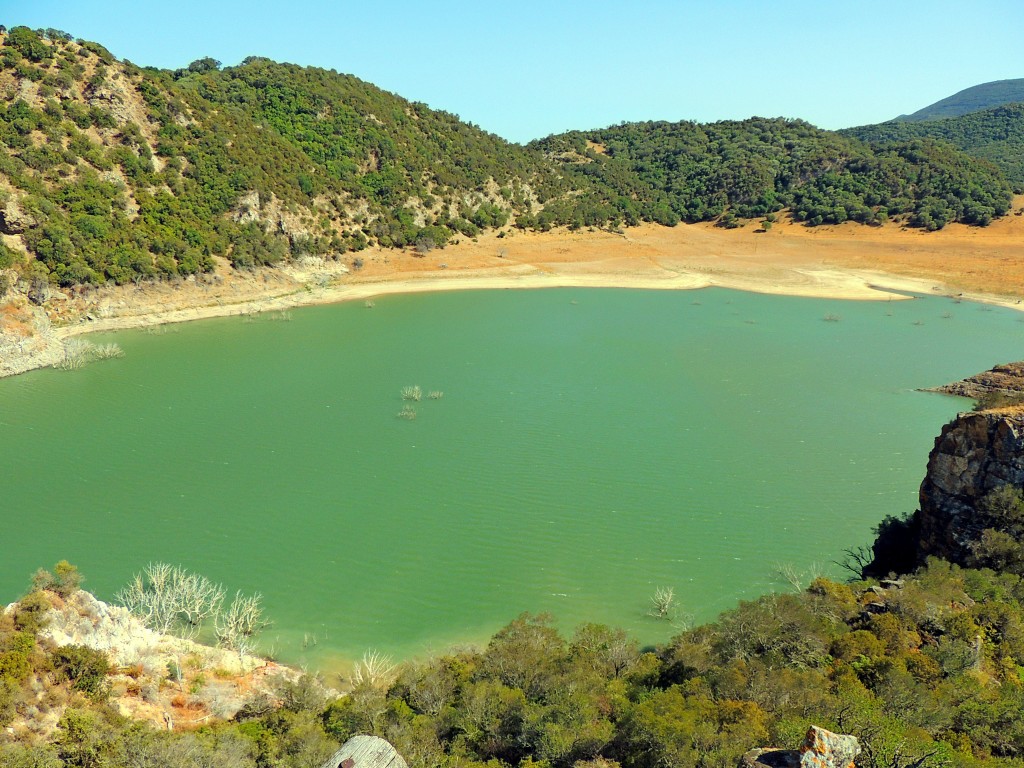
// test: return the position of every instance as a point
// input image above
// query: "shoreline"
(847, 262)
(874, 287)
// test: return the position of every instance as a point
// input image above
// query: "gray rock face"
(13, 220)
(975, 454)
(821, 749)
(364, 751)
(824, 749)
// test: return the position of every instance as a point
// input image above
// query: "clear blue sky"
(528, 69)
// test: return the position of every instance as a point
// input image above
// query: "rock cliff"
(1006, 379)
(975, 454)
(971, 510)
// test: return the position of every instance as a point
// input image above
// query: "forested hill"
(113, 173)
(973, 99)
(668, 172)
(996, 135)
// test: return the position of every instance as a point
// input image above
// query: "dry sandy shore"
(850, 261)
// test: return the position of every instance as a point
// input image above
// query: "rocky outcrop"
(84, 620)
(167, 681)
(364, 751)
(975, 454)
(13, 220)
(821, 749)
(1007, 379)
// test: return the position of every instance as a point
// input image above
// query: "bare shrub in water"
(170, 600)
(436, 395)
(76, 355)
(107, 351)
(412, 392)
(408, 412)
(663, 603)
(240, 622)
(375, 670)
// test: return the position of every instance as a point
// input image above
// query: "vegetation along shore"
(134, 196)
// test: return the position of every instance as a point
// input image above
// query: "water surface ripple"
(591, 445)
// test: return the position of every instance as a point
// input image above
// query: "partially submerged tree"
(170, 600)
(237, 625)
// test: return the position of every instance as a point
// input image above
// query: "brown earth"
(849, 261)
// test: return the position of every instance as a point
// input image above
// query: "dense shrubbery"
(667, 172)
(316, 142)
(996, 135)
(925, 671)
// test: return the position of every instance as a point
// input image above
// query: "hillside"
(667, 172)
(995, 135)
(111, 173)
(973, 99)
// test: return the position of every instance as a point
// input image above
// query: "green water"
(591, 445)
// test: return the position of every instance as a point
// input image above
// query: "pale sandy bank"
(850, 261)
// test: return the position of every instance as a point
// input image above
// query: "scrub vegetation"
(114, 173)
(995, 135)
(924, 670)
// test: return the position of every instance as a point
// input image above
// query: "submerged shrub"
(78, 353)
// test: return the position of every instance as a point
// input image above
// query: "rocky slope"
(974, 455)
(1006, 379)
(168, 681)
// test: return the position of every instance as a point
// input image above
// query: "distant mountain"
(973, 99)
(995, 135)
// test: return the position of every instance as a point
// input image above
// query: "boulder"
(13, 220)
(821, 749)
(824, 749)
(364, 751)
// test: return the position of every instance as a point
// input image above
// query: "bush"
(30, 611)
(64, 581)
(85, 668)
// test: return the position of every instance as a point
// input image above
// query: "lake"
(590, 447)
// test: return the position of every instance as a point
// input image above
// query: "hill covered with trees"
(973, 99)
(114, 173)
(667, 172)
(995, 135)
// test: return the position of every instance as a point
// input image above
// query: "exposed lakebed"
(590, 446)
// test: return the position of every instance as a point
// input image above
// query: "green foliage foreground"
(925, 672)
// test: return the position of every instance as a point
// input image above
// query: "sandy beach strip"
(849, 262)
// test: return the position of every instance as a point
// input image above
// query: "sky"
(529, 69)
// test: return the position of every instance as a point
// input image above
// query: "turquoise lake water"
(591, 446)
